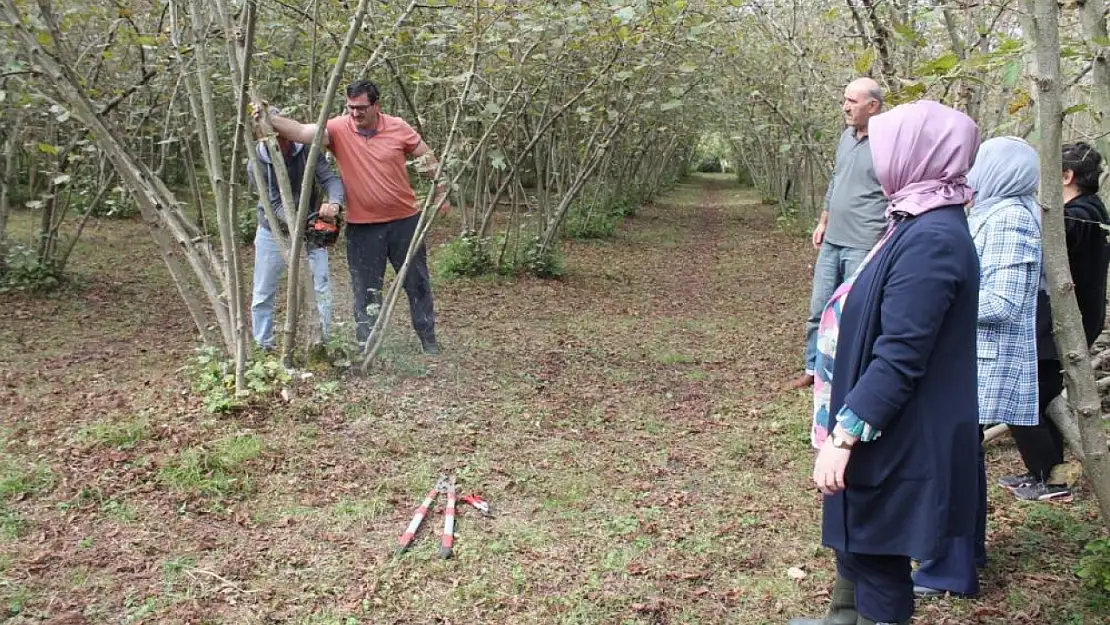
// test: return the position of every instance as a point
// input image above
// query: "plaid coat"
(1008, 240)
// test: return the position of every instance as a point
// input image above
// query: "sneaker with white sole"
(1010, 482)
(1043, 491)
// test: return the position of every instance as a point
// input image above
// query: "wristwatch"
(840, 442)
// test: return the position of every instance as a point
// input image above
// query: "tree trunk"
(594, 158)
(1092, 14)
(230, 266)
(156, 203)
(1071, 343)
(10, 143)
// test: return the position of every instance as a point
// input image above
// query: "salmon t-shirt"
(373, 168)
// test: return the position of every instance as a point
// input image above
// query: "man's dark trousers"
(368, 247)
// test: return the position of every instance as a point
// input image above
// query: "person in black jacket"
(1085, 218)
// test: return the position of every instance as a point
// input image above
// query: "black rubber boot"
(842, 609)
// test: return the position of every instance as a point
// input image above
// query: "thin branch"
(20, 72)
(114, 102)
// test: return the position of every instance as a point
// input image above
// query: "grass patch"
(402, 358)
(118, 510)
(1047, 528)
(117, 434)
(13, 598)
(173, 568)
(674, 358)
(351, 511)
(18, 480)
(217, 470)
(12, 524)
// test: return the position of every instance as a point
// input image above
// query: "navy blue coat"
(905, 363)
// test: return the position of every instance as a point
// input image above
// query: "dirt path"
(625, 422)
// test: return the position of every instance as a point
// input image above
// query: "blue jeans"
(269, 268)
(834, 265)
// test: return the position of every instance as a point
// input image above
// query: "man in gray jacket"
(268, 263)
(854, 217)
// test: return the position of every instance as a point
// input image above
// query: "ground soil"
(627, 423)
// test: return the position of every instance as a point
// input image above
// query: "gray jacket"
(295, 164)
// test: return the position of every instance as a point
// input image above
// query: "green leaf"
(1011, 75)
(908, 93)
(865, 61)
(1074, 108)
(687, 68)
(61, 179)
(497, 160)
(940, 65)
(626, 15)
(670, 105)
(47, 148)
(907, 32)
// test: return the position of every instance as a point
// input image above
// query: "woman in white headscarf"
(1005, 223)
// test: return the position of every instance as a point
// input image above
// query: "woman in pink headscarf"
(903, 412)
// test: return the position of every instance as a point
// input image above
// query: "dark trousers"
(884, 589)
(955, 569)
(1042, 446)
(368, 247)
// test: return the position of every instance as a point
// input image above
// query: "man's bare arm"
(427, 161)
(427, 167)
(295, 131)
(424, 154)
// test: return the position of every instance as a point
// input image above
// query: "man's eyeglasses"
(358, 108)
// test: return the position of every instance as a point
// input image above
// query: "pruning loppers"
(447, 542)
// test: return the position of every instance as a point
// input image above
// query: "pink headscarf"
(922, 152)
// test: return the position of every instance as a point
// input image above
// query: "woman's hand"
(829, 468)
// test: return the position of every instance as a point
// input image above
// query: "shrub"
(1094, 566)
(540, 263)
(246, 224)
(120, 208)
(466, 255)
(582, 224)
(214, 379)
(711, 165)
(20, 270)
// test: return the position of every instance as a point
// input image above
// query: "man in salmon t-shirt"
(371, 150)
